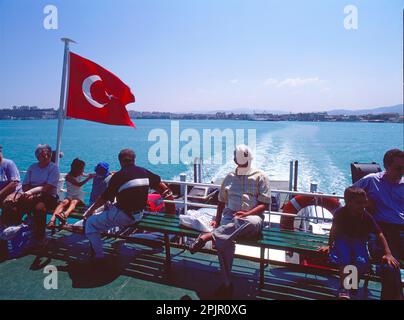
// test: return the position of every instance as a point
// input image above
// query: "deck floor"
(136, 271)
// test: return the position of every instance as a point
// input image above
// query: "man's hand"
(241, 214)
(27, 196)
(324, 249)
(391, 260)
(214, 224)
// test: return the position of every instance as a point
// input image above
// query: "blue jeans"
(101, 222)
(350, 251)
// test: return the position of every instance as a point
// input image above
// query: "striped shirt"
(245, 192)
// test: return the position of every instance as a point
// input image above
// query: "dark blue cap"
(104, 166)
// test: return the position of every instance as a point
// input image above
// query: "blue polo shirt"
(389, 197)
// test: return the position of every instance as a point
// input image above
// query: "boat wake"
(275, 150)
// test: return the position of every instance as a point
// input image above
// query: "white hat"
(243, 154)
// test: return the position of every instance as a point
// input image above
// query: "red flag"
(96, 94)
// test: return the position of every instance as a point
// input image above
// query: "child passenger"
(74, 194)
(349, 233)
(100, 182)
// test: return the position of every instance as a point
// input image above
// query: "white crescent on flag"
(87, 83)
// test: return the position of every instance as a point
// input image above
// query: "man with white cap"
(244, 195)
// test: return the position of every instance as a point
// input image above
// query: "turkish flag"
(96, 94)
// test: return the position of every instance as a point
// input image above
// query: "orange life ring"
(299, 202)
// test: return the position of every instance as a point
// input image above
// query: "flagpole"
(62, 102)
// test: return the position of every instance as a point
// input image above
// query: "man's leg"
(226, 257)
(225, 237)
(343, 252)
(93, 227)
(39, 207)
(392, 234)
(39, 220)
(391, 277)
(391, 283)
(102, 222)
(11, 215)
(361, 256)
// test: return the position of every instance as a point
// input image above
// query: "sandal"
(51, 225)
(62, 218)
(196, 245)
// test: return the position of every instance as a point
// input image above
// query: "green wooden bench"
(304, 243)
(299, 242)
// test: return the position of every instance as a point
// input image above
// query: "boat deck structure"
(137, 271)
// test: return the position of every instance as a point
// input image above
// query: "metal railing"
(187, 203)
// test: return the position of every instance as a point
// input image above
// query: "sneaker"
(196, 245)
(343, 294)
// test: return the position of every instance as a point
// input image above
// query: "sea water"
(324, 149)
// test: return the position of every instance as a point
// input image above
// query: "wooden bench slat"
(295, 233)
(167, 229)
(295, 239)
(274, 243)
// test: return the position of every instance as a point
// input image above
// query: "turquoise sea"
(324, 149)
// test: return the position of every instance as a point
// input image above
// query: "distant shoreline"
(210, 119)
(35, 113)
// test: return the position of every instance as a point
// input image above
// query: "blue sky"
(200, 55)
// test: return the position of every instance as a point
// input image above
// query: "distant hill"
(246, 111)
(391, 109)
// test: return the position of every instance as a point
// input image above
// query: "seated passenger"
(39, 193)
(349, 233)
(386, 202)
(9, 177)
(244, 196)
(100, 181)
(130, 187)
(74, 194)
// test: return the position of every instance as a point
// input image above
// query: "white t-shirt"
(74, 192)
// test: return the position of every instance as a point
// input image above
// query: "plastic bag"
(17, 240)
(197, 219)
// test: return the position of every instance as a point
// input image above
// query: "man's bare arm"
(9, 188)
(167, 194)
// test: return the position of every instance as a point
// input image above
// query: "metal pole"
(291, 175)
(195, 177)
(197, 170)
(295, 177)
(200, 170)
(62, 101)
(186, 199)
(183, 177)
